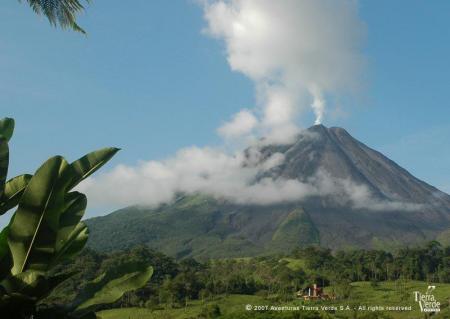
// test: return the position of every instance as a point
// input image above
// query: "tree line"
(176, 282)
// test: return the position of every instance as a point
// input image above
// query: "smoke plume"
(295, 51)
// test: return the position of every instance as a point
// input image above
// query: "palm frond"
(59, 12)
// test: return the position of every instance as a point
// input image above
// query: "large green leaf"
(4, 162)
(7, 128)
(56, 280)
(27, 283)
(70, 217)
(110, 286)
(19, 295)
(88, 164)
(5, 257)
(32, 233)
(14, 189)
(73, 244)
(4, 249)
(32, 285)
(46, 229)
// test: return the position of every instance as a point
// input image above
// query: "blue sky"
(147, 80)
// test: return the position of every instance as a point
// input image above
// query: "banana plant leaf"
(73, 244)
(70, 217)
(71, 175)
(32, 285)
(25, 284)
(6, 132)
(32, 232)
(14, 189)
(91, 162)
(46, 222)
(5, 257)
(4, 162)
(4, 249)
(46, 229)
(110, 286)
(7, 128)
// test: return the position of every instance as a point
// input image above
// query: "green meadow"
(363, 294)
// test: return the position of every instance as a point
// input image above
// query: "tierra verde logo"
(427, 301)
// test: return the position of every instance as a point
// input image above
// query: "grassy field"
(395, 294)
(228, 304)
(362, 294)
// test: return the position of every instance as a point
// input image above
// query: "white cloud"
(296, 52)
(232, 177)
(345, 192)
(241, 124)
(191, 170)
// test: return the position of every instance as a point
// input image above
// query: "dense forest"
(177, 282)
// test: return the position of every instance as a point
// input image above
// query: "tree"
(59, 12)
(45, 230)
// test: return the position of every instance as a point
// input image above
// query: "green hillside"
(296, 229)
(202, 227)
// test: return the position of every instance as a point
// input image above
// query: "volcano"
(382, 206)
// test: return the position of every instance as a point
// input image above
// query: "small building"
(314, 292)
